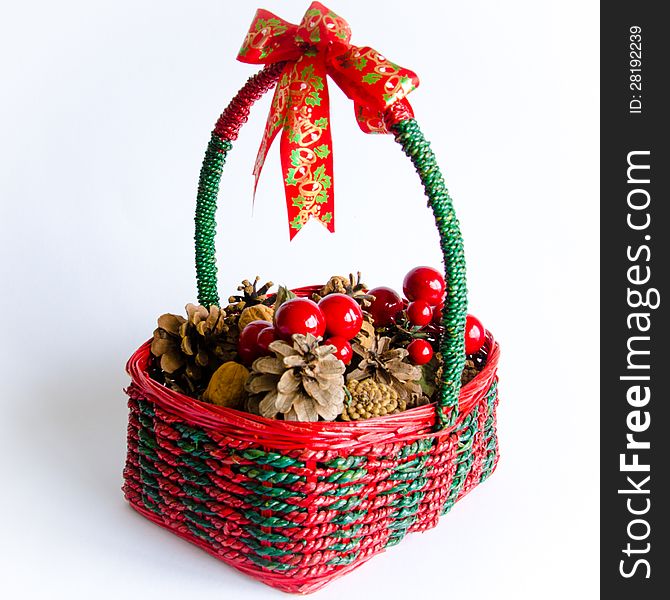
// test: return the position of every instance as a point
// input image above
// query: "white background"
(105, 111)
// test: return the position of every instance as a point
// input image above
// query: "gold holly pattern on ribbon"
(317, 47)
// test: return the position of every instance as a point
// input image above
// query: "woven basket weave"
(296, 505)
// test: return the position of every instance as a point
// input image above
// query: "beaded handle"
(415, 145)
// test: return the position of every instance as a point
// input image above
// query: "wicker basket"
(296, 505)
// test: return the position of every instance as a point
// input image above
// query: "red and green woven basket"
(296, 505)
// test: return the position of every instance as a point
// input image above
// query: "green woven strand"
(342, 547)
(196, 435)
(339, 561)
(195, 492)
(349, 532)
(343, 463)
(344, 490)
(271, 458)
(270, 564)
(414, 448)
(466, 459)
(198, 532)
(409, 500)
(404, 487)
(264, 535)
(151, 498)
(205, 225)
(415, 145)
(195, 463)
(349, 517)
(273, 492)
(273, 477)
(254, 517)
(197, 519)
(490, 434)
(346, 476)
(276, 506)
(193, 477)
(412, 480)
(263, 551)
(147, 466)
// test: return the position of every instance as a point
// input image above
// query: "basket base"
(298, 512)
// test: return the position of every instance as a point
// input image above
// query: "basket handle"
(417, 148)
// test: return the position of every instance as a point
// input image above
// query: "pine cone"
(166, 345)
(366, 336)
(470, 371)
(251, 404)
(191, 349)
(338, 284)
(303, 382)
(388, 366)
(369, 398)
(251, 295)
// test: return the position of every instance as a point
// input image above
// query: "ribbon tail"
(306, 147)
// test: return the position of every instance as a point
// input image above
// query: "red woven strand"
(237, 112)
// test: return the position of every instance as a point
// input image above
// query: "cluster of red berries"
(424, 289)
(337, 317)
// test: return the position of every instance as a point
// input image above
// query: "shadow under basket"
(296, 505)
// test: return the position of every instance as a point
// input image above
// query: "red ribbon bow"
(319, 46)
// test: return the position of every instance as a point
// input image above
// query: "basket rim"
(413, 424)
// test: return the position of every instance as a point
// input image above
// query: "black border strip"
(635, 424)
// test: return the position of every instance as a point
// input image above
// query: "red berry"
(475, 335)
(299, 315)
(420, 351)
(343, 314)
(247, 346)
(437, 314)
(385, 307)
(264, 339)
(419, 313)
(343, 349)
(424, 283)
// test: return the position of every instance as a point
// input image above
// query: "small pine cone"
(470, 371)
(351, 286)
(388, 365)
(337, 284)
(369, 398)
(250, 295)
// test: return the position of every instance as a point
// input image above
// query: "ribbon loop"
(317, 47)
(324, 30)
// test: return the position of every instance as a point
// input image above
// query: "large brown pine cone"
(302, 382)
